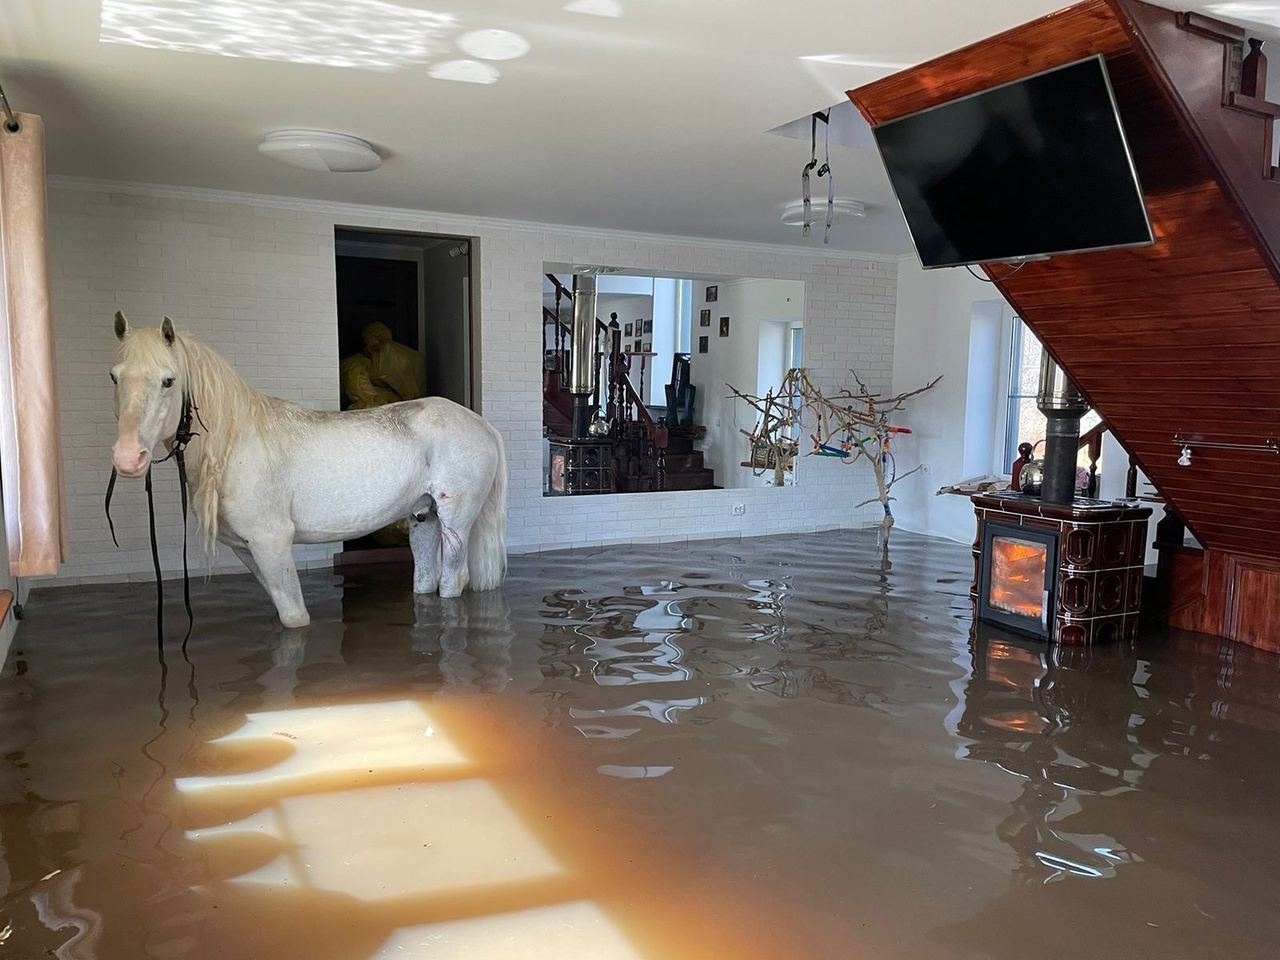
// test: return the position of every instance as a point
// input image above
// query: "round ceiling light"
(321, 150)
(846, 208)
(493, 44)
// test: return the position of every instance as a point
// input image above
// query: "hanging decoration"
(822, 171)
(850, 424)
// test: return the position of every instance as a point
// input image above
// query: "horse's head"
(150, 381)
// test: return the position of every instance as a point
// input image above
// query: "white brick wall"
(254, 277)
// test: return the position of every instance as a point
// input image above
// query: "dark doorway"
(374, 290)
(404, 331)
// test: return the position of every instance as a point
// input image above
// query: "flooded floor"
(783, 748)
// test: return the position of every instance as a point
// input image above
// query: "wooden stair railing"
(1091, 440)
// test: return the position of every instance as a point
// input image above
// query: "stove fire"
(1018, 576)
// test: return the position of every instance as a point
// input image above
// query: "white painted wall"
(751, 304)
(946, 321)
(253, 276)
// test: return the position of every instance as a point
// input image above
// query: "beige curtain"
(30, 457)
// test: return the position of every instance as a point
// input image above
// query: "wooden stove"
(1066, 572)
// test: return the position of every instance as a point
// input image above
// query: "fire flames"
(1017, 577)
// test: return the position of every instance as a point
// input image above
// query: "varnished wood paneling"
(1254, 606)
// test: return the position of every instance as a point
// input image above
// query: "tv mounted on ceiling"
(1026, 170)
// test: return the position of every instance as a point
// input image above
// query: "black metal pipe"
(1061, 441)
(581, 416)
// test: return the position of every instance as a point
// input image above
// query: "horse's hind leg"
(424, 539)
(274, 557)
(456, 516)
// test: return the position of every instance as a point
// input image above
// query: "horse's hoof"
(298, 620)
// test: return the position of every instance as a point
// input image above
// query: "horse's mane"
(226, 405)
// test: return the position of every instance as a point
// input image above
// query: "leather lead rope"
(155, 562)
(111, 488)
(186, 576)
(181, 438)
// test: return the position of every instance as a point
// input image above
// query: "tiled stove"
(1071, 573)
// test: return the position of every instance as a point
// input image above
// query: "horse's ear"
(167, 331)
(122, 326)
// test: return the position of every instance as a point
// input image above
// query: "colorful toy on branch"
(846, 424)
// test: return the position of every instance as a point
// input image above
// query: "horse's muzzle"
(130, 462)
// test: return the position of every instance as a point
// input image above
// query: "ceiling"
(654, 120)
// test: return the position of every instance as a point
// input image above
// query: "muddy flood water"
(776, 748)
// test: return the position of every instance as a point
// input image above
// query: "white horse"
(268, 473)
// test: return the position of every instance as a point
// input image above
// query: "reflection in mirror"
(635, 368)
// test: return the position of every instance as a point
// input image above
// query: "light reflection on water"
(784, 747)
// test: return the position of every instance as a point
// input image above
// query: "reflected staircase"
(648, 454)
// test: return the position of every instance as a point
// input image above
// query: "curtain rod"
(10, 119)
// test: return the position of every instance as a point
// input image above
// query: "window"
(795, 347)
(1024, 423)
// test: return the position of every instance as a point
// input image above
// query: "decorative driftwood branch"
(852, 424)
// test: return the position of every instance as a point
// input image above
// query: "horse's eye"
(167, 382)
(113, 378)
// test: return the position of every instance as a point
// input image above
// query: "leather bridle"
(177, 452)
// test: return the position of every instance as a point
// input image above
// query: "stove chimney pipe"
(1063, 404)
(582, 352)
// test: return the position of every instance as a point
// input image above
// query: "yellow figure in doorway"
(393, 364)
(385, 372)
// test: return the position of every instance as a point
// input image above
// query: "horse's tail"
(487, 557)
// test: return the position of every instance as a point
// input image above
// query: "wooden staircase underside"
(1182, 337)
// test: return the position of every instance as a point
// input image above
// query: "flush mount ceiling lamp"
(843, 210)
(493, 44)
(321, 150)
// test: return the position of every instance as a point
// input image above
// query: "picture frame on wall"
(648, 347)
(704, 344)
(626, 331)
(636, 347)
(724, 326)
(704, 318)
(713, 292)
(648, 326)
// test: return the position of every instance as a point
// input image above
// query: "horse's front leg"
(245, 557)
(273, 555)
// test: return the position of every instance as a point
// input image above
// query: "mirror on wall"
(636, 368)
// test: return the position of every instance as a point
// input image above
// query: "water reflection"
(645, 655)
(780, 748)
(1058, 720)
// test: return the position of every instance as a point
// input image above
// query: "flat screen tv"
(1032, 168)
